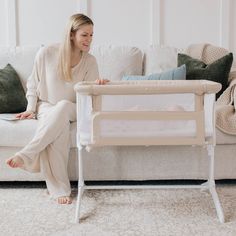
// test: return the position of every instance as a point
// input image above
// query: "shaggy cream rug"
(29, 211)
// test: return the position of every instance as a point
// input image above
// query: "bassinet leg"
(80, 184)
(211, 182)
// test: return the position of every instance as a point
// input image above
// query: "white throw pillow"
(159, 58)
(116, 61)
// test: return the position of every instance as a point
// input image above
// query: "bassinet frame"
(197, 87)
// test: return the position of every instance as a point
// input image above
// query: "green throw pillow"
(217, 71)
(12, 94)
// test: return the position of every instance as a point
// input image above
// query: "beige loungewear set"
(53, 100)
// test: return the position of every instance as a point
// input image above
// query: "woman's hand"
(26, 115)
(101, 81)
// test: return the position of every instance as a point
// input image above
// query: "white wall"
(190, 21)
(233, 27)
(3, 19)
(122, 22)
(42, 21)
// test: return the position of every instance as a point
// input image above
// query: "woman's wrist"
(30, 111)
(32, 101)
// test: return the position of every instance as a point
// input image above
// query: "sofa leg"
(211, 182)
(80, 184)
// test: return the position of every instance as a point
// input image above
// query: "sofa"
(117, 163)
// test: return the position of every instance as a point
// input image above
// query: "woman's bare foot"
(15, 162)
(64, 200)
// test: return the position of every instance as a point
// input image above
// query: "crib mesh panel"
(155, 102)
(116, 111)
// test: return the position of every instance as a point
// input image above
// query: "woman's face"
(82, 38)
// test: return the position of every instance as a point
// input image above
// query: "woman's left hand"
(101, 81)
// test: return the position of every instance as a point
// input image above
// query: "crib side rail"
(198, 87)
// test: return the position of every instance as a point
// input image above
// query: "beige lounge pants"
(48, 151)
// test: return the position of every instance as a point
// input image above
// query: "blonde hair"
(64, 63)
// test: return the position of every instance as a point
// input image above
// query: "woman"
(51, 97)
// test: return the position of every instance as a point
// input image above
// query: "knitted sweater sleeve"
(33, 82)
(92, 72)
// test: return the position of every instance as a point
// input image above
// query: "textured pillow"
(217, 71)
(178, 73)
(12, 95)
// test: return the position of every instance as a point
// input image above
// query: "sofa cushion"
(12, 94)
(218, 71)
(21, 58)
(115, 61)
(159, 58)
(178, 73)
(11, 132)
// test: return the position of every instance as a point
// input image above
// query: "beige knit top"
(44, 83)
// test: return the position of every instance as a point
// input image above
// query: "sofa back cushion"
(21, 59)
(116, 61)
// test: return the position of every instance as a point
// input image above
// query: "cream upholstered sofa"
(117, 163)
